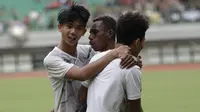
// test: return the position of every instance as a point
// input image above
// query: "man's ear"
(137, 41)
(59, 27)
(110, 33)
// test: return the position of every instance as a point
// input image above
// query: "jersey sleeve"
(133, 84)
(86, 83)
(56, 66)
(87, 51)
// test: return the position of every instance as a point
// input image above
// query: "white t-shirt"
(57, 64)
(107, 90)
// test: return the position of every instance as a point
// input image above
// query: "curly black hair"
(109, 23)
(131, 26)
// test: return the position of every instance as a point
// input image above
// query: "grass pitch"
(170, 91)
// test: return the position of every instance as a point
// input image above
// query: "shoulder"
(98, 55)
(51, 57)
(85, 48)
(86, 51)
(134, 71)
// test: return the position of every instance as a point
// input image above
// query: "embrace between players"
(101, 77)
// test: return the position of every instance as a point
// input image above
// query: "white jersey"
(109, 88)
(57, 64)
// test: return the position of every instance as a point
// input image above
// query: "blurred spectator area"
(41, 14)
(33, 13)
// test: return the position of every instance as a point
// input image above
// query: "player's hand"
(122, 51)
(128, 61)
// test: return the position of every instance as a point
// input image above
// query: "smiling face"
(72, 32)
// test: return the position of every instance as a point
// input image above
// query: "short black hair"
(131, 26)
(109, 23)
(73, 13)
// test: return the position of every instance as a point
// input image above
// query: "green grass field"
(175, 91)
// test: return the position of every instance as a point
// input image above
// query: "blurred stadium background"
(28, 31)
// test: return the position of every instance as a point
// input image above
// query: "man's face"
(99, 38)
(141, 44)
(72, 32)
(137, 46)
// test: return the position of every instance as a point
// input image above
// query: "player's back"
(106, 91)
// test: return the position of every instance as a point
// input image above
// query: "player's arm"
(82, 94)
(134, 106)
(90, 70)
(58, 68)
(133, 87)
(130, 61)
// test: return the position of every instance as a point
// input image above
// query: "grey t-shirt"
(57, 64)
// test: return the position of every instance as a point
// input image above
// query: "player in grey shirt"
(64, 61)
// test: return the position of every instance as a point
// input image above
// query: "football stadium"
(171, 55)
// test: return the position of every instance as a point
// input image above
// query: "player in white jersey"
(102, 38)
(107, 90)
(64, 61)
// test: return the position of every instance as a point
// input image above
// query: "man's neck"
(71, 50)
(135, 54)
(132, 53)
(111, 45)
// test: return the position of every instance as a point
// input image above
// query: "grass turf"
(25, 95)
(175, 91)
(170, 91)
